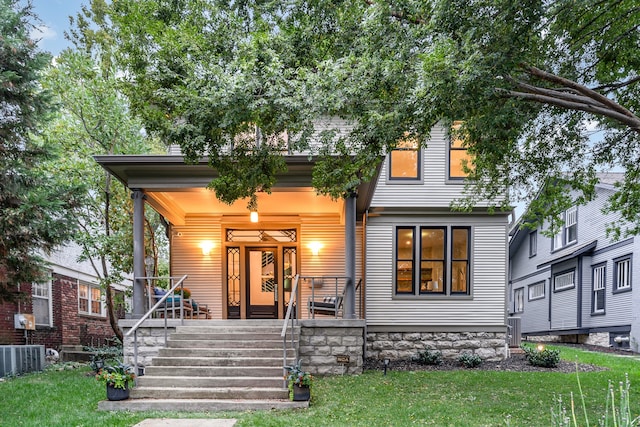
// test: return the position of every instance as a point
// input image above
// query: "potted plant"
(119, 379)
(299, 382)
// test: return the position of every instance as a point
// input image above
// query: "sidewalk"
(187, 422)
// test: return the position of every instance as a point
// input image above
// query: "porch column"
(138, 253)
(350, 256)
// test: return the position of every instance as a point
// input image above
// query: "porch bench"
(172, 305)
(329, 305)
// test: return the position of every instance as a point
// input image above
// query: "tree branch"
(613, 86)
(536, 72)
(632, 122)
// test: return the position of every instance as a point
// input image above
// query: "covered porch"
(240, 264)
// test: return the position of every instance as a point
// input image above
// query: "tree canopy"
(531, 81)
(36, 202)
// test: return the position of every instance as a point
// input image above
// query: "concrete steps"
(216, 362)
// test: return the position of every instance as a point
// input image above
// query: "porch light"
(315, 248)
(206, 247)
(253, 216)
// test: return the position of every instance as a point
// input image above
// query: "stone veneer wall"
(322, 341)
(490, 346)
(150, 339)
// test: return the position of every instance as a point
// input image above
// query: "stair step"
(173, 381)
(223, 352)
(218, 361)
(183, 343)
(210, 392)
(213, 371)
(199, 405)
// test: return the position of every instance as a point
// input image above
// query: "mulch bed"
(515, 363)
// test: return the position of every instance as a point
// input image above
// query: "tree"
(528, 79)
(35, 204)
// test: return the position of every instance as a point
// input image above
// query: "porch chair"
(328, 304)
(172, 304)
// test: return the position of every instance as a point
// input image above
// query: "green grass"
(436, 398)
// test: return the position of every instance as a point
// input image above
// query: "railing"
(170, 292)
(290, 317)
(338, 285)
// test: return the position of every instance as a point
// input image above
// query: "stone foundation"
(490, 346)
(151, 338)
(323, 342)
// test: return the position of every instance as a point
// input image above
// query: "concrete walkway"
(187, 422)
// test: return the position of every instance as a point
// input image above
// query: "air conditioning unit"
(515, 331)
(20, 359)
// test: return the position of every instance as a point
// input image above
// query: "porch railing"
(290, 319)
(336, 286)
(170, 292)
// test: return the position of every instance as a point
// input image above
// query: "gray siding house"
(579, 285)
(428, 276)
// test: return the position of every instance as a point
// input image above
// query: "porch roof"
(177, 189)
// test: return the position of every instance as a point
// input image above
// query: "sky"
(55, 21)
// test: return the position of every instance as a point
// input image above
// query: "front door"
(262, 283)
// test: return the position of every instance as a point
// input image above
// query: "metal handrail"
(335, 279)
(283, 333)
(170, 292)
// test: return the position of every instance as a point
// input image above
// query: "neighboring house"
(430, 276)
(67, 310)
(579, 285)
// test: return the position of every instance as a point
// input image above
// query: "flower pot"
(117, 393)
(301, 393)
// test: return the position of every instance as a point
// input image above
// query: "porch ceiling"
(178, 190)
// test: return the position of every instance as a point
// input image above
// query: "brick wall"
(69, 326)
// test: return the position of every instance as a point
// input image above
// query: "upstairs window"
(568, 233)
(533, 243)
(599, 288)
(404, 160)
(536, 291)
(564, 281)
(622, 274)
(458, 155)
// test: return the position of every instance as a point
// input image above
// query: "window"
(443, 253)
(533, 243)
(564, 281)
(599, 288)
(518, 300)
(404, 260)
(536, 291)
(41, 303)
(458, 155)
(622, 274)
(568, 233)
(404, 160)
(90, 299)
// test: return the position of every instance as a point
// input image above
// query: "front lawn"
(437, 398)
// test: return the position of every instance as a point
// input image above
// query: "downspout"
(350, 256)
(579, 297)
(138, 253)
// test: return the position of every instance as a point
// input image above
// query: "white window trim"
(103, 311)
(518, 300)
(568, 285)
(627, 276)
(535, 286)
(49, 302)
(599, 284)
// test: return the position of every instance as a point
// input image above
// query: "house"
(428, 276)
(66, 310)
(577, 286)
